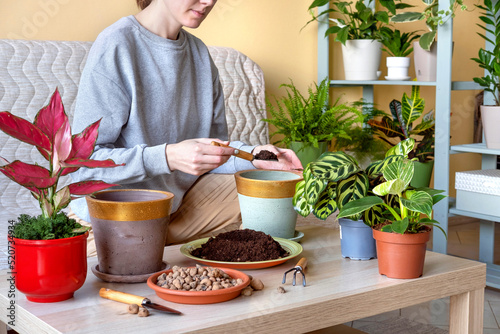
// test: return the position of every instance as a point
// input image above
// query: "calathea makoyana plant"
(50, 133)
(335, 179)
(412, 210)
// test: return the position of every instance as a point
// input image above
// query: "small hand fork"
(299, 268)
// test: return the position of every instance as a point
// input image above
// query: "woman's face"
(188, 13)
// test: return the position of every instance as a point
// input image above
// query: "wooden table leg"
(466, 312)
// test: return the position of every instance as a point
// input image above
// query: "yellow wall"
(268, 31)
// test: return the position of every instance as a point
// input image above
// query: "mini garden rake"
(299, 268)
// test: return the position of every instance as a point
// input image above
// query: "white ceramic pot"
(266, 201)
(425, 62)
(397, 68)
(361, 59)
(490, 117)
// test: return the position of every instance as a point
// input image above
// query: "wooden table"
(338, 290)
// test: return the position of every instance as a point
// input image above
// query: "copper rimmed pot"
(130, 229)
(266, 200)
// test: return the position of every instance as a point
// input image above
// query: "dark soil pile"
(240, 246)
(266, 155)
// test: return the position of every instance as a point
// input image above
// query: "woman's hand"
(287, 159)
(197, 156)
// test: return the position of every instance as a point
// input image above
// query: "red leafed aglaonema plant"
(50, 133)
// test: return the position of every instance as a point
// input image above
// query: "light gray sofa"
(30, 71)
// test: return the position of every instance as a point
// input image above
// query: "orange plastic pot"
(50, 270)
(401, 255)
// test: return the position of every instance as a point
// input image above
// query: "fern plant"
(310, 119)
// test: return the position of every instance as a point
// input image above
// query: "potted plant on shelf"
(50, 249)
(425, 54)
(308, 124)
(331, 182)
(399, 46)
(489, 60)
(357, 28)
(401, 239)
(399, 126)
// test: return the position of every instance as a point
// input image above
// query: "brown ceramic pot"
(130, 229)
(401, 255)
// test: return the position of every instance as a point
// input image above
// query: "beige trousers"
(208, 208)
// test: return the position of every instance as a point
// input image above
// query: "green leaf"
(334, 166)
(407, 17)
(418, 201)
(352, 188)
(358, 206)
(325, 206)
(299, 201)
(427, 39)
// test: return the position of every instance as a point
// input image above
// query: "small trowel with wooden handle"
(243, 154)
(128, 298)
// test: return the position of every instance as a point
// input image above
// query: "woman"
(157, 92)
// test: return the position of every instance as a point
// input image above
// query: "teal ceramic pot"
(356, 240)
(308, 153)
(265, 198)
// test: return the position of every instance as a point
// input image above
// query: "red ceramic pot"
(50, 270)
(401, 255)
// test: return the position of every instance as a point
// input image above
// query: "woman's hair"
(143, 3)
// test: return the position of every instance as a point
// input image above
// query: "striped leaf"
(313, 188)
(334, 166)
(352, 188)
(377, 168)
(402, 148)
(299, 201)
(398, 176)
(418, 201)
(326, 204)
(374, 216)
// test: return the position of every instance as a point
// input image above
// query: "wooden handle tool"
(128, 298)
(237, 153)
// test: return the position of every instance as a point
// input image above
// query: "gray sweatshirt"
(148, 91)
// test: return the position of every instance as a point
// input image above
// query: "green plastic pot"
(423, 174)
(307, 152)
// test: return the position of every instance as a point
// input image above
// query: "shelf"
(345, 83)
(476, 215)
(474, 148)
(465, 85)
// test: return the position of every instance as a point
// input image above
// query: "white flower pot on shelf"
(361, 59)
(397, 68)
(490, 116)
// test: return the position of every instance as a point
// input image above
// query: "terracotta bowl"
(199, 297)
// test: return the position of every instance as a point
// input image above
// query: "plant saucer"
(124, 278)
(297, 236)
(398, 79)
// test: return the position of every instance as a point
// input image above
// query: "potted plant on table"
(50, 249)
(399, 46)
(308, 123)
(331, 182)
(401, 239)
(399, 126)
(357, 28)
(489, 60)
(425, 49)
